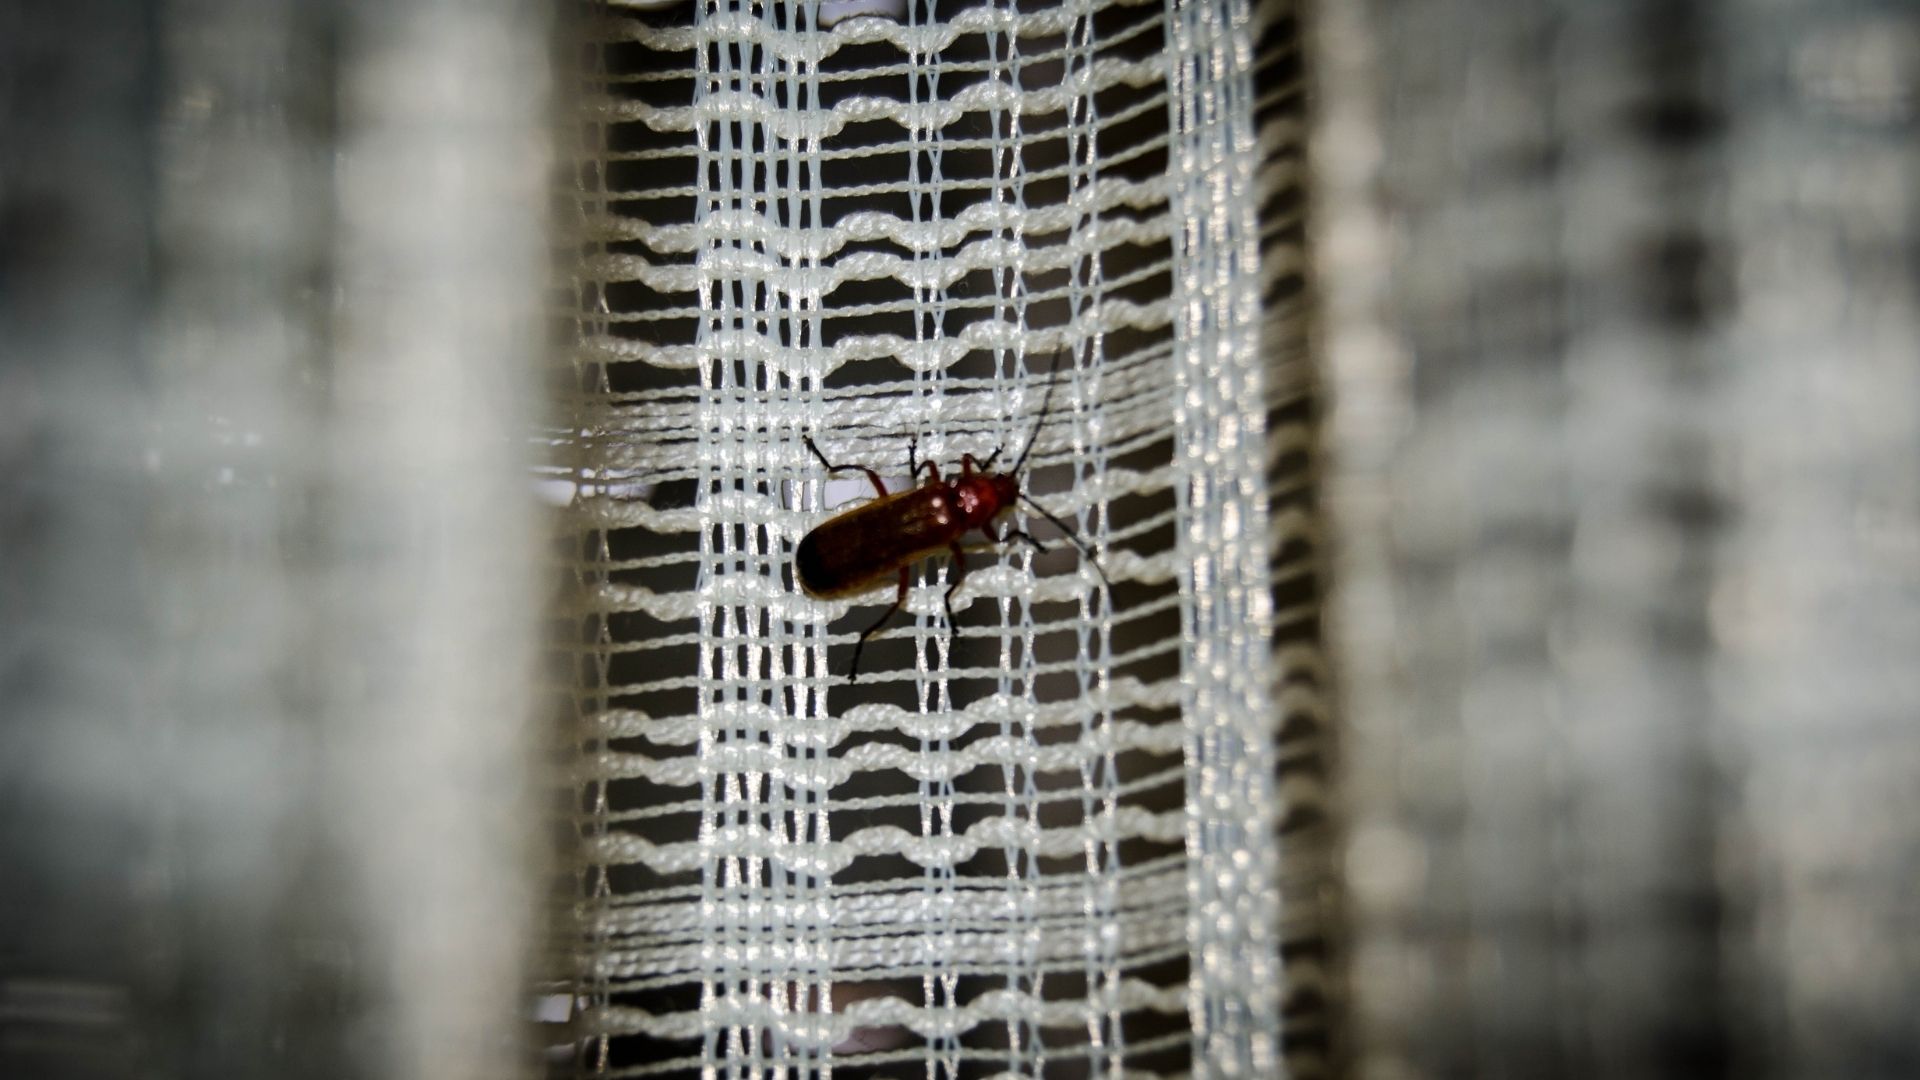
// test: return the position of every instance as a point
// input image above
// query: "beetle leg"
(853, 669)
(1067, 531)
(967, 464)
(832, 468)
(914, 464)
(1021, 534)
(1013, 534)
(959, 573)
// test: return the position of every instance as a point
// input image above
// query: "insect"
(854, 551)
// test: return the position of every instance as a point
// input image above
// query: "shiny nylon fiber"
(1042, 844)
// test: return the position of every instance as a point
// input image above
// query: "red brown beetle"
(851, 552)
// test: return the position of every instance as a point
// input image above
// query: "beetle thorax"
(982, 496)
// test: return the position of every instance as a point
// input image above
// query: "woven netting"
(1040, 841)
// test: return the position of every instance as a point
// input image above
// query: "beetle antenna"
(1067, 531)
(1046, 406)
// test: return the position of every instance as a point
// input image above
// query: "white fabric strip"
(1232, 914)
(985, 852)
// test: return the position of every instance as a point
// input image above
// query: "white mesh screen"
(1038, 845)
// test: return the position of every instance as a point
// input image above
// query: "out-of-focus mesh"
(272, 284)
(1621, 316)
(1044, 843)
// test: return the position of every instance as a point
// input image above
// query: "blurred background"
(357, 433)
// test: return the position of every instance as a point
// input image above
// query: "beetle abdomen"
(852, 552)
